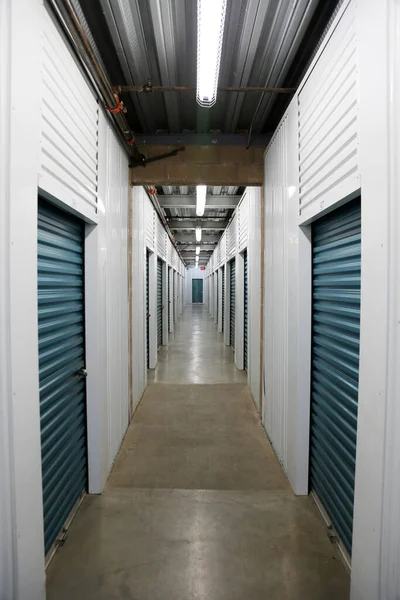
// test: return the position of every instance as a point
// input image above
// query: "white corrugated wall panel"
(139, 360)
(169, 251)
(70, 124)
(114, 186)
(161, 240)
(328, 106)
(276, 197)
(253, 195)
(243, 223)
(285, 421)
(218, 254)
(150, 225)
(231, 234)
(223, 248)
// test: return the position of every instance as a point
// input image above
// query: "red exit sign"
(202, 268)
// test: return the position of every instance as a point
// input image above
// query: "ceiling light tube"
(197, 250)
(210, 31)
(198, 234)
(201, 191)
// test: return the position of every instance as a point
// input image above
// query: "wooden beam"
(208, 165)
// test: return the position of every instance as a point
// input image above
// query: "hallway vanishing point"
(197, 506)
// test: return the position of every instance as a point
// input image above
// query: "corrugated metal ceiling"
(157, 39)
(190, 190)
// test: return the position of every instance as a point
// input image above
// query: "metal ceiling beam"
(192, 248)
(190, 201)
(202, 139)
(207, 224)
(194, 256)
(190, 237)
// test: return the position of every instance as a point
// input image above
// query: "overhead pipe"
(149, 88)
(75, 24)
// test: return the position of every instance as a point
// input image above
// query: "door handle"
(82, 373)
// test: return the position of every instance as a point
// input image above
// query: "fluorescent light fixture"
(210, 30)
(197, 250)
(198, 234)
(201, 191)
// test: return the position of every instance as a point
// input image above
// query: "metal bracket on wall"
(143, 161)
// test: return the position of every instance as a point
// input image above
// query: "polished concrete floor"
(197, 506)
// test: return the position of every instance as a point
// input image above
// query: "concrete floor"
(197, 506)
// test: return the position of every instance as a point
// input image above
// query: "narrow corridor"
(197, 506)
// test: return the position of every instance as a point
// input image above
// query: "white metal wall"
(139, 361)
(338, 98)
(26, 25)
(254, 291)
(376, 540)
(148, 233)
(243, 233)
(281, 417)
(70, 123)
(311, 166)
(113, 230)
(21, 517)
(328, 121)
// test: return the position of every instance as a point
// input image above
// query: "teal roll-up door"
(61, 366)
(335, 363)
(148, 309)
(169, 299)
(245, 309)
(232, 302)
(197, 291)
(223, 298)
(216, 294)
(159, 302)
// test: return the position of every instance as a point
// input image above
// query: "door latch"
(82, 373)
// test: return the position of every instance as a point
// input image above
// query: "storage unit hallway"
(197, 505)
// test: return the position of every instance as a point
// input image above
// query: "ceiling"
(266, 43)
(179, 206)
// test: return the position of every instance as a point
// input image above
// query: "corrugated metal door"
(61, 366)
(169, 299)
(246, 304)
(223, 298)
(335, 363)
(232, 302)
(148, 309)
(159, 302)
(216, 296)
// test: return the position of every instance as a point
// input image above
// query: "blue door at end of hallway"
(62, 374)
(197, 291)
